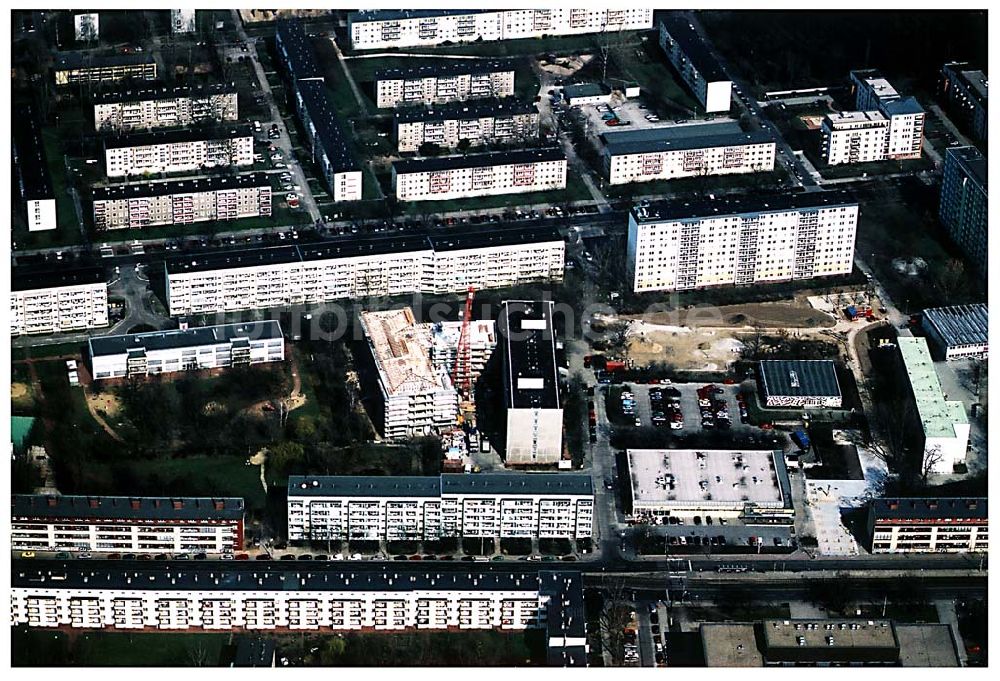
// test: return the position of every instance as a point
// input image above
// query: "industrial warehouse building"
(492, 174)
(126, 524)
(417, 397)
(389, 508)
(182, 202)
(967, 91)
(331, 150)
(928, 525)
(85, 67)
(161, 107)
(964, 205)
(677, 151)
(531, 382)
(959, 331)
(446, 81)
(186, 349)
(33, 180)
(175, 151)
(480, 122)
(741, 241)
(800, 383)
(749, 484)
(692, 60)
(58, 301)
(363, 266)
(382, 29)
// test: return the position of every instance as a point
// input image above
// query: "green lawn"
(36, 647)
(68, 231)
(211, 475)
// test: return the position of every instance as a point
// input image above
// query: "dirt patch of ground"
(21, 394)
(796, 314)
(685, 348)
(565, 66)
(108, 403)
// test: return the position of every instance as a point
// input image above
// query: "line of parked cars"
(665, 404)
(714, 410)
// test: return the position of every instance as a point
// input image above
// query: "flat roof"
(831, 636)
(713, 477)
(874, 79)
(972, 162)
(930, 508)
(301, 59)
(844, 118)
(163, 92)
(800, 377)
(138, 508)
(401, 349)
(902, 106)
(974, 80)
(730, 644)
(64, 61)
(496, 158)
(196, 185)
(926, 645)
(363, 486)
(193, 134)
(29, 150)
(938, 416)
(693, 48)
(585, 90)
(445, 240)
(366, 15)
(682, 137)
(105, 346)
(28, 279)
(665, 211)
(476, 108)
(531, 377)
(444, 67)
(355, 246)
(961, 324)
(516, 483)
(327, 125)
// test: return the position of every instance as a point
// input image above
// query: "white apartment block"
(182, 202)
(697, 67)
(742, 241)
(448, 81)
(417, 397)
(382, 29)
(490, 121)
(680, 151)
(58, 302)
(529, 505)
(492, 174)
(165, 107)
(929, 525)
(186, 349)
(177, 151)
(126, 524)
(83, 67)
(357, 267)
(854, 137)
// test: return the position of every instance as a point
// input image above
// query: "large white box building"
(487, 121)
(176, 151)
(527, 344)
(163, 107)
(447, 81)
(382, 29)
(186, 349)
(491, 174)
(696, 65)
(679, 151)
(355, 267)
(58, 301)
(741, 241)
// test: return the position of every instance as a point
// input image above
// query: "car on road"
(84, 556)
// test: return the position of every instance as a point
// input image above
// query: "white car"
(279, 164)
(291, 195)
(356, 556)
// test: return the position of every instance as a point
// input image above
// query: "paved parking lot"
(689, 407)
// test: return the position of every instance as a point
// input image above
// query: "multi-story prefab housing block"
(176, 151)
(454, 81)
(165, 107)
(58, 301)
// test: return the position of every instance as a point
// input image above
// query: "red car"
(242, 556)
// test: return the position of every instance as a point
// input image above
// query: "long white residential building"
(502, 505)
(176, 151)
(355, 267)
(163, 107)
(742, 241)
(929, 525)
(696, 65)
(182, 202)
(85, 67)
(58, 301)
(678, 151)
(492, 174)
(447, 81)
(126, 524)
(417, 397)
(186, 349)
(487, 121)
(382, 29)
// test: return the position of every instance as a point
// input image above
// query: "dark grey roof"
(163, 92)
(681, 137)
(905, 105)
(455, 67)
(363, 486)
(585, 90)
(29, 279)
(329, 133)
(477, 108)
(294, 44)
(192, 186)
(367, 245)
(101, 346)
(516, 483)
(739, 205)
(528, 343)
(972, 162)
(961, 324)
(114, 508)
(29, 155)
(497, 158)
(141, 139)
(77, 60)
(930, 508)
(975, 81)
(693, 48)
(222, 260)
(800, 377)
(362, 16)
(502, 236)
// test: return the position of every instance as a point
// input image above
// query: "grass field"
(209, 475)
(34, 647)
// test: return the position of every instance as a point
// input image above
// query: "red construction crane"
(463, 354)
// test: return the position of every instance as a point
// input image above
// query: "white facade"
(87, 27)
(381, 30)
(438, 179)
(697, 68)
(41, 214)
(741, 244)
(855, 137)
(151, 110)
(929, 525)
(59, 308)
(180, 156)
(182, 21)
(439, 86)
(484, 128)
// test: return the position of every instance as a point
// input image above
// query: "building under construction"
(446, 337)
